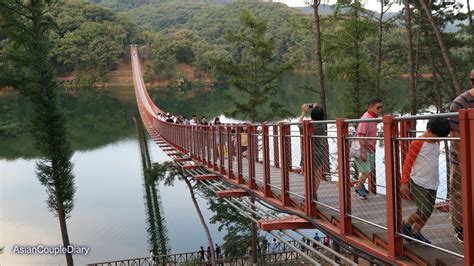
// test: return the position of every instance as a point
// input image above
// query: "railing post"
(276, 159)
(214, 148)
(466, 134)
(251, 155)
(229, 152)
(209, 146)
(345, 222)
(238, 132)
(188, 140)
(197, 140)
(404, 127)
(221, 150)
(193, 142)
(201, 143)
(284, 167)
(266, 162)
(180, 138)
(309, 176)
(394, 218)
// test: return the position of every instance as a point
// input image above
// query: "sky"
(369, 4)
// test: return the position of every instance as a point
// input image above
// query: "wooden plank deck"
(438, 229)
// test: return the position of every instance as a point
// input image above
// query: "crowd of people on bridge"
(179, 119)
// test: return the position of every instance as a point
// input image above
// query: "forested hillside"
(367, 53)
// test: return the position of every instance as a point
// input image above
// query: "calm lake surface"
(110, 213)
(110, 210)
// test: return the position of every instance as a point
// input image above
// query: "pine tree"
(27, 24)
(253, 70)
(350, 54)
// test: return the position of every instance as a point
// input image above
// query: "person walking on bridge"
(463, 101)
(420, 177)
(366, 161)
(317, 144)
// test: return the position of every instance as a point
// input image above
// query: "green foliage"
(122, 5)
(90, 40)
(92, 49)
(210, 22)
(27, 27)
(238, 227)
(349, 48)
(93, 120)
(438, 91)
(253, 70)
(157, 232)
(8, 125)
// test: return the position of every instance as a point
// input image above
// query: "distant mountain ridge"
(326, 10)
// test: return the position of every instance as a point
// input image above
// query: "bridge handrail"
(206, 147)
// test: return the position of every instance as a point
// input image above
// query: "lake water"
(110, 209)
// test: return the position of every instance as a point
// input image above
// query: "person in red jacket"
(420, 176)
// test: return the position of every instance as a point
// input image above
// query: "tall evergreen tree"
(319, 57)
(411, 64)
(27, 24)
(444, 50)
(253, 70)
(350, 53)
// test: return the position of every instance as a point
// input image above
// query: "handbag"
(355, 149)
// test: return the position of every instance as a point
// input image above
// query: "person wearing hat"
(463, 101)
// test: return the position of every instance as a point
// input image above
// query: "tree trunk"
(437, 90)
(319, 59)
(201, 219)
(442, 46)
(471, 26)
(357, 83)
(254, 235)
(379, 50)
(64, 233)
(411, 67)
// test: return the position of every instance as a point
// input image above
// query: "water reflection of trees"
(291, 92)
(94, 119)
(157, 231)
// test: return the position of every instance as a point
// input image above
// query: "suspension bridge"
(273, 180)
